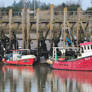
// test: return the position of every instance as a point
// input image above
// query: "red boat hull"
(78, 64)
(20, 62)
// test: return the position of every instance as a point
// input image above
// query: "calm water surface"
(42, 79)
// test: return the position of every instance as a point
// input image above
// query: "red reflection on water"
(19, 68)
(79, 76)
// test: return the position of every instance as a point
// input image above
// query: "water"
(42, 79)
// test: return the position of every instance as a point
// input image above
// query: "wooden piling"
(78, 25)
(50, 20)
(90, 30)
(37, 29)
(28, 28)
(51, 23)
(23, 27)
(64, 24)
(10, 24)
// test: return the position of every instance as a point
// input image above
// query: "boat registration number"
(87, 58)
(26, 61)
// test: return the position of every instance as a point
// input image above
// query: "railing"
(58, 15)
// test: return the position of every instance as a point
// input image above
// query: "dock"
(46, 25)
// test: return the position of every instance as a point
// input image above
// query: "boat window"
(84, 47)
(88, 47)
(19, 52)
(25, 52)
(82, 50)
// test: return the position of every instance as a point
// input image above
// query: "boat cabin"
(16, 54)
(62, 53)
(86, 49)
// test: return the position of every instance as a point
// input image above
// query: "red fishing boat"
(82, 62)
(19, 57)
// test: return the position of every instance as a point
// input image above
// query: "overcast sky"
(84, 3)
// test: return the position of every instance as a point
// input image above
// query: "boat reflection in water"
(24, 79)
(17, 78)
(41, 79)
(73, 81)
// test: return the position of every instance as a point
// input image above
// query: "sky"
(84, 3)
